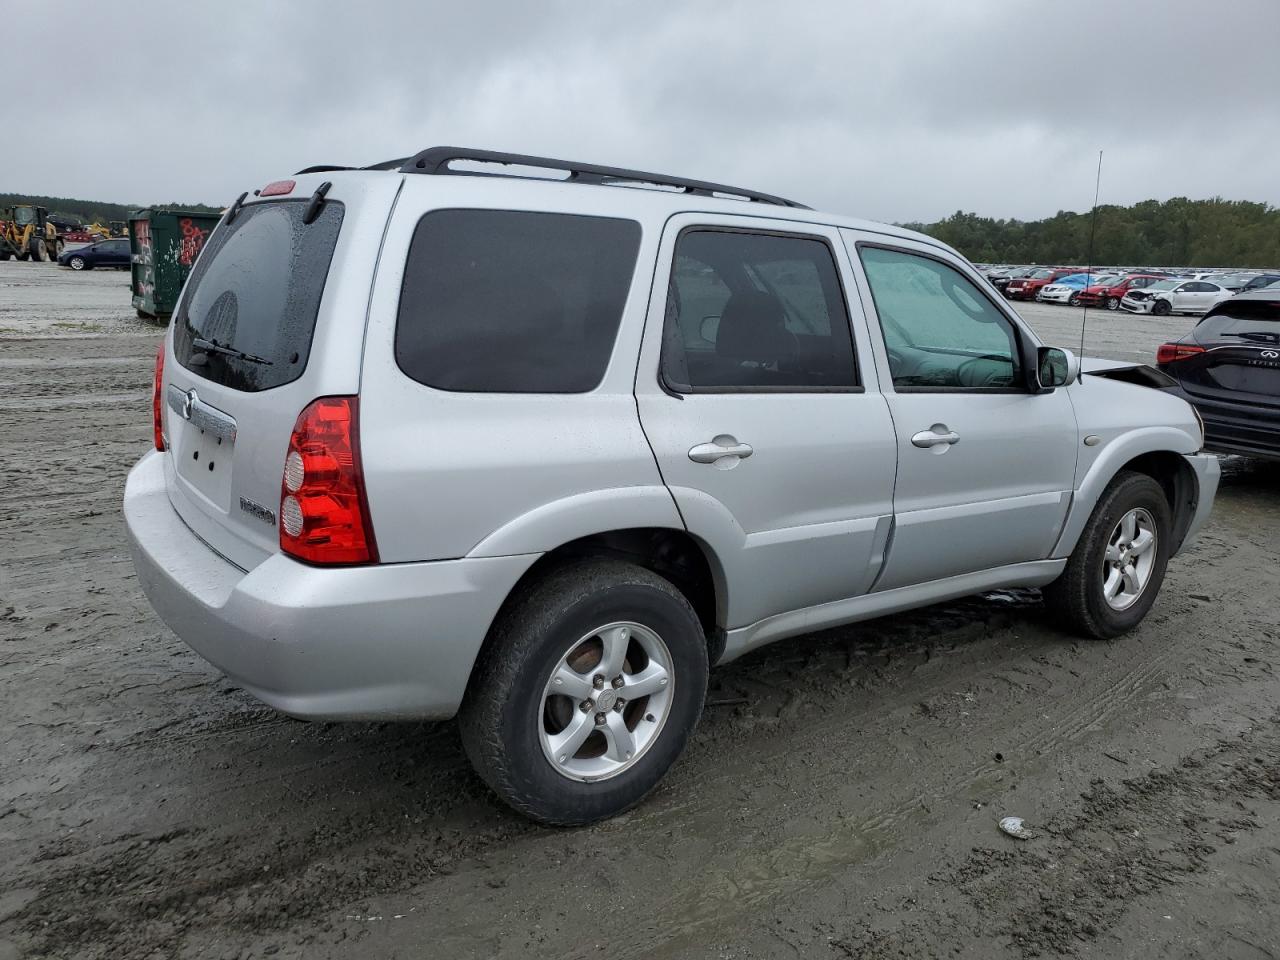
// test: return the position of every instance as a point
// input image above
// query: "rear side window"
(255, 291)
(503, 301)
(755, 312)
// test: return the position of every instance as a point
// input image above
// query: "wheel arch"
(1151, 452)
(673, 553)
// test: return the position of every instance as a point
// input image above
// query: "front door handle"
(933, 437)
(718, 449)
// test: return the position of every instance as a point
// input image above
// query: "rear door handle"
(719, 448)
(931, 438)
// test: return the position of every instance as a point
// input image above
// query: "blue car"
(104, 253)
(1067, 289)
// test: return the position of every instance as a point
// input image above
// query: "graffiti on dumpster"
(193, 239)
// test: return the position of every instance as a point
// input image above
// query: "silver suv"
(442, 436)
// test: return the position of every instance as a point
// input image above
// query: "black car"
(1260, 281)
(104, 253)
(1228, 367)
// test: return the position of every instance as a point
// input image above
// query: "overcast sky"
(894, 110)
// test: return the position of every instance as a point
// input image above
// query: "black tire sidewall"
(1161, 308)
(1113, 303)
(72, 263)
(528, 780)
(1132, 491)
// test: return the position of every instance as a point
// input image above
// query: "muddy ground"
(840, 799)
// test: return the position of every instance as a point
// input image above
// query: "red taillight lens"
(1173, 352)
(324, 513)
(277, 188)
(157, 411)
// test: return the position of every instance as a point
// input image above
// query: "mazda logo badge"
(189, 400)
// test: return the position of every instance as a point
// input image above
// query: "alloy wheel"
(606, 701)
(1129, 559)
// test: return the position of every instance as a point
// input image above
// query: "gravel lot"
(840, 799)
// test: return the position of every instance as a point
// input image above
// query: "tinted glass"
(1256, 321)
(750, 311)
(942, 333)
(499, 301)
(256, 289)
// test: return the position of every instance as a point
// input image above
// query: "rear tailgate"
(272, 317)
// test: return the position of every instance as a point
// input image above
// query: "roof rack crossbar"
(437, 160)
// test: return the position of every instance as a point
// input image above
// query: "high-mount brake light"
(324, 512)
(1173, 352)
(157, 409)
(278, 188)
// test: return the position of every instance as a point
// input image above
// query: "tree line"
(1176, 233)
(91, 211)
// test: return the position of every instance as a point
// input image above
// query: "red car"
(1026, 288)
(1111, 294)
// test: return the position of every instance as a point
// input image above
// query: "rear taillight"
(1173, 352)
(324, 513)
(157, 411)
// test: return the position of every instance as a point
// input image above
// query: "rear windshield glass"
(1255, 320)
(505, 301)
(255, 292)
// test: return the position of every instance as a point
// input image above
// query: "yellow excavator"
(98, 230)
(26, 233)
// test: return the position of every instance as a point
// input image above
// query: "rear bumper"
(375, 642)
(1236, 428)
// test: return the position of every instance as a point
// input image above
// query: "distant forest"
(1175, 233)
(91, 211)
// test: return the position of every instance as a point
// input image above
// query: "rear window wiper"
(1258, 336)
(212, 346)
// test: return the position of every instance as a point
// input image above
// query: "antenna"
(1088, 274)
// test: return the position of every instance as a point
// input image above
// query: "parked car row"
(1157, 292)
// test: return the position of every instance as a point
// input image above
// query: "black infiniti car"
(1228, 367)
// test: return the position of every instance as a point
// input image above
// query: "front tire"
(1073, 300)
(1161, 308)
(1113, 303)
(587, 691)
(1115, 572)
(77, 263)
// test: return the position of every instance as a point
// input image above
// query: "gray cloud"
(899, 111)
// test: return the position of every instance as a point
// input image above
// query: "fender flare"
(1118, 452)
(558, 522)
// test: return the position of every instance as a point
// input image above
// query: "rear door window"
(755, 312)
(505, 301)
(255, 291)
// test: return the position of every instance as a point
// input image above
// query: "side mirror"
(1057, 367)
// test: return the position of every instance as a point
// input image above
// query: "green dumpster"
(164, 245)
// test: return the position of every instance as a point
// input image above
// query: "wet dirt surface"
(840, 799)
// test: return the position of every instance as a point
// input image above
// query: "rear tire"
(515, 719)
(1161, 308)
(1112, 556)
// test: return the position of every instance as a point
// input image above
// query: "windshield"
(1041, 274)
(255, 293)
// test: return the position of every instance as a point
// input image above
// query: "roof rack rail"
(437, 160)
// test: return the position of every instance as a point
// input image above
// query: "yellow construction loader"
(26, 233)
